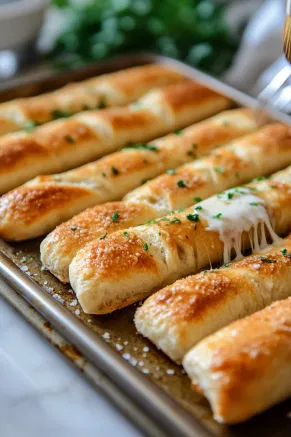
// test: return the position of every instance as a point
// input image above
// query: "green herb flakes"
(177, 131)
(73, 228)
(197, 199)
(181, 184)
(58, 113)
(30, 125)
(285, 253)
(69, 139)
(217, 216)
(193, 217)
(146, 247)
(264, 259)
(115, 217)
(171, 171)
(141, 146)
(114, 170)
(219, 169)
(175, 220)
(103, 236)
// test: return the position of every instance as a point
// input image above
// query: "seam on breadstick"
(180, 315)
(65, 144)
(244, 368)
(183, 236)
(262, 152)
(110, 178)
(113, 89)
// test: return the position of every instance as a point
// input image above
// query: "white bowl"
(20, 22)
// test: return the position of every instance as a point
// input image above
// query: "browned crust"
(96, 221)
(116, 259)
(190, 298)
(26, 204)
(183, 94)
(13, 151)
(126, 118)
(131, 83)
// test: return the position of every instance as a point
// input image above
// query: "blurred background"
(234, 40)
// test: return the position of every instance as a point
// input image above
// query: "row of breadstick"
(63, 144)
(245, 367)
(128, 265)
(47, 201)
(262, 152)
(114, 89)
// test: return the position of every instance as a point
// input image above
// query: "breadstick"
(113, 89)
(262, 152)
(64, 144)
(46, 201)
(245, 368)
(129, 265)
(179, 316)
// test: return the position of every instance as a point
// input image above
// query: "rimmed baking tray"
(159, 389)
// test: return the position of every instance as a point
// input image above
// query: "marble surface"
(42, 395)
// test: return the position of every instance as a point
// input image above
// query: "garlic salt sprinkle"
(234, 212)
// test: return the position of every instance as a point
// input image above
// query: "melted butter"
(234, 212)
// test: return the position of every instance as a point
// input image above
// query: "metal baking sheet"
(159, 387)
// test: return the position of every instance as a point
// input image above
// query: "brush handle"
(288, 7)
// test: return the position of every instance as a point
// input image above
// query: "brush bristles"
(287, 38)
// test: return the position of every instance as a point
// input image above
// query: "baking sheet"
(132, 351)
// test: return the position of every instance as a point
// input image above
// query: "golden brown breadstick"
(180, 315)
(46, 201)
(113, 89)
(245, 368)
(64, 144)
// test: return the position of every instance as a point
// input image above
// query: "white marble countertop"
(43, 395)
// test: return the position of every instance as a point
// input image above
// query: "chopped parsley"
(58, 113)
(219, 169)
(198, 207)
(181, 184)
(191, 153)
(197, 199)
(175, 220)
(146, 247)
(180, 209)
(260, 178)
(227, 265)
(103, 236)
(115, 217)
(230, 196)
(69, 139)
(177, 131)
(217, 216)
(73, 228)
(264, 259)
(193, 217)
(104, 174)
(115, 170)
(30, 125)
(285, 253)
(171, 171)
(254, 203)
(125, 233)
(23, 259)
(141, 146)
